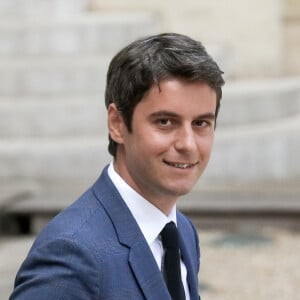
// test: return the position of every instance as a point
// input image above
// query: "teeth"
(182, 166)
(179, 165)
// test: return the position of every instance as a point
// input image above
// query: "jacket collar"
(141, 259)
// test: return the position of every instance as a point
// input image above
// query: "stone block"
(251, 102)
(81, 35)
(266, 151)
(58, 117)
(59, 160)
(41, 8)
(291, 47)
(56, 76)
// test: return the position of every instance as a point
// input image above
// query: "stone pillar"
(291, 38)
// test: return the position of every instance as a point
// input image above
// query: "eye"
(202, 123)
(164, 122)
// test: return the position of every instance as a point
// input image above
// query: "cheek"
(143, 147)
(156, 143)
(205, 146)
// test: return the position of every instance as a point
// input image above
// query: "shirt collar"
(148, 217)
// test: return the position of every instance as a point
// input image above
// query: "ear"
(115, 123)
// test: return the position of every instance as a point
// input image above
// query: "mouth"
(180, 165)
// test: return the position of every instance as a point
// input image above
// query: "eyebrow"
(165, 113)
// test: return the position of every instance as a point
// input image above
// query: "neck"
(164, 203)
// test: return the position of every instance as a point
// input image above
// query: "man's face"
(170, 142)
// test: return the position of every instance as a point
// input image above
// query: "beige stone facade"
(251, 38)
(291, 36)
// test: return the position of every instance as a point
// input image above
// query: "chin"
(182, 191)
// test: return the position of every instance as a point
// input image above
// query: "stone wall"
(250, 38)
(291, 42)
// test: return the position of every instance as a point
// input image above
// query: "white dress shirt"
(149, 218)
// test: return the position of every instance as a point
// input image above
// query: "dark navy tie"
(171, 261)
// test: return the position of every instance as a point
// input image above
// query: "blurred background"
(53, 138)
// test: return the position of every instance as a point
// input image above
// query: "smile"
(180, 165)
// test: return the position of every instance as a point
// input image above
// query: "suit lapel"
(146, 272)
(192, 276)
(141, 259)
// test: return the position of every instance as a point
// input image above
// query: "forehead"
(180, 96)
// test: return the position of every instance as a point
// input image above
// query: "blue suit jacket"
(94, 249)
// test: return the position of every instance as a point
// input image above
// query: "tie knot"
(169, 236)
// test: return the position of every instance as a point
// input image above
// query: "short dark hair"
(147, 61)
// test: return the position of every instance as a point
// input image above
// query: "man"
(163, 95)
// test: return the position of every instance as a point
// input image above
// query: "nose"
(185, 139)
